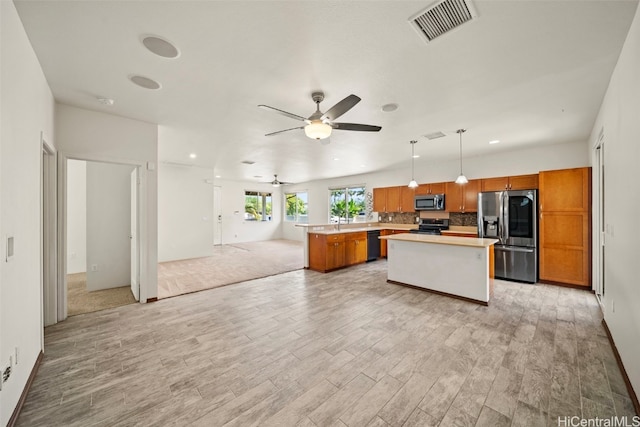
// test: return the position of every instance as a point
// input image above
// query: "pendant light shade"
(413, 183)
(461, 178)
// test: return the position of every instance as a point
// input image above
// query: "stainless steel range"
(431, 226)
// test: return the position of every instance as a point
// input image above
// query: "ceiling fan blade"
(340, 108)
(356, 126)
(285, 130)
(284, 113)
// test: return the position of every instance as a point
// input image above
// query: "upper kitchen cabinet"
(433, 188)
(462, 197)
(565, 226)
(519, 182)
(379, 199)
(393, 199)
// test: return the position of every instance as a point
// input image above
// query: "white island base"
(457, 266)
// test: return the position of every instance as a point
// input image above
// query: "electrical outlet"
(94, 267)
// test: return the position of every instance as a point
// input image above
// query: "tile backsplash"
(468, 219)
(398, 217)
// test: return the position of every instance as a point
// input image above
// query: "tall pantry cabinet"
(565, 226)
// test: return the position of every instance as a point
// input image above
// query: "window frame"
(297, 214)
(362, 204)
(262, 205)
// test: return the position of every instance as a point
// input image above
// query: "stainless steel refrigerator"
(512, 218)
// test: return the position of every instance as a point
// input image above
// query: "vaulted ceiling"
(522, 72)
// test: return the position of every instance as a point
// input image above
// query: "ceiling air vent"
(443, 17)
(434, 135)
(248, 162)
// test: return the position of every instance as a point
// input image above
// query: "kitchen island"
(457, 266)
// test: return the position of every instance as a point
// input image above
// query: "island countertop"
(442, 240)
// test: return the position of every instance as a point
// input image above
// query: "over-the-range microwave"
(429, 202)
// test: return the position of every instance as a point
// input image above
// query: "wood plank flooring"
(338, 349)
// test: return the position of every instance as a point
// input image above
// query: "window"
(295, 207)
(257, 206)
(347, 205)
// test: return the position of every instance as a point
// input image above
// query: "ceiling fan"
(319, 125)
(277, 183)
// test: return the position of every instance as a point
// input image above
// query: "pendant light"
(413, 183)
(461, 179)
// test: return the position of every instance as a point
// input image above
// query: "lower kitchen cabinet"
(326, 251)
(355, 248)
(332, 251)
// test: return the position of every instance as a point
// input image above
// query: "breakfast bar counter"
(456, 266)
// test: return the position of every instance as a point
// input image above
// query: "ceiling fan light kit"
(319, 125)
(317, 130)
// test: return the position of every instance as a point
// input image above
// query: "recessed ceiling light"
(105, 101)
(387, 108)
(218, 176)
(362, 166)
(495, 141)
(193, 155)
(160, 47)
(145, 82)
(415, 156)
(335, 158)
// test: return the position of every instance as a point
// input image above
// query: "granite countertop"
(442, 240)
(330, 228)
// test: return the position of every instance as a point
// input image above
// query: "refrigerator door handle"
(505, 216)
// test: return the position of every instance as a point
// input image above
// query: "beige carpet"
(80, 301)
(229, 264)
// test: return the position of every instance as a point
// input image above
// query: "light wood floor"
(229, 264)
(344, 348)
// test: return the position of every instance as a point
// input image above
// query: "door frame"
(598, 225)
(61, 285)
(48, 234)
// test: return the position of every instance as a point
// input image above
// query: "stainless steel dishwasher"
(373, 245)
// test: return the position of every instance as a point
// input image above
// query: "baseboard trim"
(25, 392)
(632, 393)
(433, 291)
(154, 299)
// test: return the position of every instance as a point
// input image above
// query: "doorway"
(599, 253)
(101, 235)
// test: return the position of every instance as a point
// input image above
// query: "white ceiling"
(524, 72)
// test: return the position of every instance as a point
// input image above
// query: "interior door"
(133, 236)
(217, 215)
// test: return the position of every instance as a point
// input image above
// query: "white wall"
(91, 135)
(519, 162)
(27, 108)
(234, 228)
(185, 212)
(76, 216)
(108, 225)
(618, 118)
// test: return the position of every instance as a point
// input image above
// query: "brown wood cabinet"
(393, 199)
(433, 188)
(462, 197)
(565, 226)
(380, 199)
(326, 251)
(355, 248)
(518, 182)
